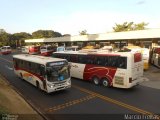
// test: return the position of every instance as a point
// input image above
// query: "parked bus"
(145, 54)
(72, 48)
(117, 69)
(33, 50)
(69, 48)
(46, 50)
(25, 49)
(155, 56)
(5, 50)
(48, 74)
(60, 48)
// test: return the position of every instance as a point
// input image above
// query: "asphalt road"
(84, 100)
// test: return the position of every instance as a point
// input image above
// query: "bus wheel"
(105, 82)
(95, 80)
(37, 85)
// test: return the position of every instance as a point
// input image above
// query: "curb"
(27, 101)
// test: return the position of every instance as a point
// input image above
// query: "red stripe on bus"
(101, 72)
(34, 74)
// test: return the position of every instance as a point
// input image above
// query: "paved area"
(11, 103)
(153, 77)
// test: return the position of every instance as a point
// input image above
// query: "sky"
(73, 16)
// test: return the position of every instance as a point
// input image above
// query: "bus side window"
(30, 66)
(112, 61)
(54, 55)
(73, 58)
(99, 60)
(25, 65)
(81, 59)
(57, 55)
(21, 63)
(17, 63)
(90, 59)
(122, 62)
(33, 67)
(106, 61)
(42, 70)
(64, 56)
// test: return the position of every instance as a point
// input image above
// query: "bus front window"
(57, 73)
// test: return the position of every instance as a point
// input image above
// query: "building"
(144, 38)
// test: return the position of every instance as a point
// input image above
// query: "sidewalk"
(13, 105)
(153, 75)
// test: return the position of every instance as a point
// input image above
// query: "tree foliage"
(5, 39)
(19, 38)
(129, 26)
(83, 32)
(2, 31)
(66, 35)
(45, 34)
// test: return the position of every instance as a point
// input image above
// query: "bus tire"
(37, 85)
(95, 80)
(105, 82)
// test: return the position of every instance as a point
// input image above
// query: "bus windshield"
(57, 71)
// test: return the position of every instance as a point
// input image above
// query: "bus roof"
(37, 59)
(6, 46)
(96, 53)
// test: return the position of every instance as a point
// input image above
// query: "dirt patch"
(11, 103)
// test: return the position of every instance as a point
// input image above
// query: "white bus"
(48, 74)
(155, 56)
(117, 69)
(46, 50)
(25, 49)
(5, 50)
(145, 54)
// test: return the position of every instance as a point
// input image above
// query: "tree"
(140, 26)
(2, 31)
(129, 26)
(5, 39)
(45, 34)
(83, 32)
(19, 38)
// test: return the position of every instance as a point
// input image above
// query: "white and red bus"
(33, 49)
(145, 54)
(6, 50)
(48, 74)
(46, 50)
(118, 69)
(155, 56)
(25, 49)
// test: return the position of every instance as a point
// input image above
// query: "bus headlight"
(51, 85)
(68, 82)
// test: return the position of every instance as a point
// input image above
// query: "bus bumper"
(137, 81)
(59, 87)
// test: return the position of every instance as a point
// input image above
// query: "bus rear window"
(137, 57)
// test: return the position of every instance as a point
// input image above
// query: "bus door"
(77, 69)
(42, 73)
